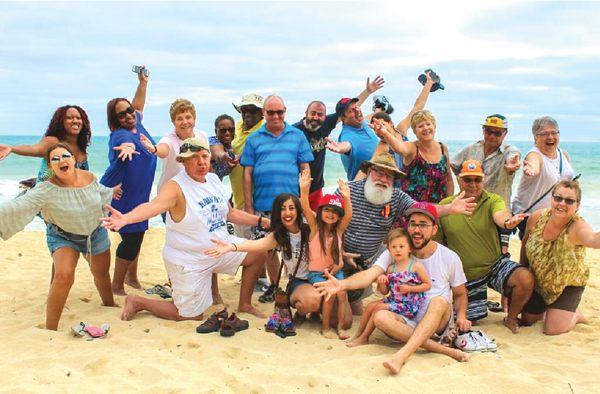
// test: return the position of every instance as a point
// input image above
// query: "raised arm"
(36, 150)
(420, 102)
(304, 180)
(404, 148)
(344, 191)
(372, 87)
(139, 100)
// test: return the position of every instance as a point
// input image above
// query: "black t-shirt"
(316, 140)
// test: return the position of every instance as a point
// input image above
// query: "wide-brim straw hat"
(384, 161)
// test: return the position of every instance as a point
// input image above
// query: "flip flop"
(494, 306)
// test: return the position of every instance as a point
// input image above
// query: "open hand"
(330, 287)
(127, 150)
(512, 164)
(349, 259)
(304, 181)
(4, 151)
(462, 205)
(515, 220)
(150, 147)
(528, 168)
(375, 85)
(219, 249)
(115, 221)
(343, 188)
(333, 146)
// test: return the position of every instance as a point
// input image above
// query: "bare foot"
(217, 299)
(393, 365)
(133, 283)
(251, 310)
(512, 324)
(581, 319)
(357, 342)
(119, 291)
(342, 334)
(460, 356)
(329, 334)
(129, 309)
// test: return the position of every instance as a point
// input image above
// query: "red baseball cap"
(334, 201)
(425, 208)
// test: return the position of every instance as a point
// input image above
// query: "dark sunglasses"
(56, 158)
(559, 199)
(251, 110)
(122, 114)
(279, 112)
(495, 133)
(226, 130)
(189, 147)
(472, 180)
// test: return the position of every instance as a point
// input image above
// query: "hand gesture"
(330, 287)
(117, 192)
(528, 168)
(127, 151)
(220, 248)
(304, 181)
(343, 188)
(142, 75)
(515, 220)
(115, 221)
(4, 151)
(375, 85)
(333, 146)
(463, 324)
(150, 147)
(380, 129)
(383, 280)
(512, 164)
(462, 205)
(349, 259)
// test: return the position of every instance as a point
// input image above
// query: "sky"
(520, 59)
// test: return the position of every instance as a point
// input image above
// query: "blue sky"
(520, 59)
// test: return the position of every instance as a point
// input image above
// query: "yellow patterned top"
(555, 264)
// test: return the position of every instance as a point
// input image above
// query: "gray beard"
(377, 195)
(310, 128)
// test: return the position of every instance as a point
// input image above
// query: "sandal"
(233, 324)
(273, 323)
(287, 327)
(494, 306)
(213, 323)
(268, 295)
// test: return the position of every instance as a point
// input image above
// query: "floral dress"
(426, 181)
(408, 304)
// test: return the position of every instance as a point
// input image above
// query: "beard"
(313, 126)
(377, 194)
(424, 242)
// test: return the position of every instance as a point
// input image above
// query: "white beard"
(377, 195)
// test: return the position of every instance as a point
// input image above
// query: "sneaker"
(475, 341)
(213, 323)
(268, 295)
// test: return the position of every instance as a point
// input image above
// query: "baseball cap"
(334, 201)
(189, 146)
(425, 208)
(343, 105)
(496, 120)
(471, 168)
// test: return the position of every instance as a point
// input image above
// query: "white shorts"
(192, 293)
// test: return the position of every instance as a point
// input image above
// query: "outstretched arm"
(359, 280)
(259, 245)
(35, 150)
(584, 235)
(139, 100)
(404, 124)
(532, 164)
(372, 87)
(460, 205)
(338, 147)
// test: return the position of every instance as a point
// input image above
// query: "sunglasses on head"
(56, 158)
(122, 114)
(189, 147)
(495, 133)
(279, 112)
(568, 201)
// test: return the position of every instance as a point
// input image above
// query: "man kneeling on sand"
(445, 270)
(197, 211)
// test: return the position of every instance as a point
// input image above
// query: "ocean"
(585, 157)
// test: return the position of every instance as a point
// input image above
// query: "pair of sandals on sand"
(163, 291)
(91, 332)
(226, 324)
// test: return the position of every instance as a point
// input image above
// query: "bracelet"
(155, 149)
(506, 221)
(235, 246)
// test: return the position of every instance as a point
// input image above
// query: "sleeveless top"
(205, 218)
(532, 188)
(555, 264)
(407, 304)
(426, 181)
(317, 260)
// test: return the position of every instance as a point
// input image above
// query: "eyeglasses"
(278, 112)
(122, 114)
(226, 130)
(477, 179)
(495, 133)
(559, 199)
(546, 134)
(381, 173)
(56, 158)
(420, 226)
(189, 147)
(250, 109)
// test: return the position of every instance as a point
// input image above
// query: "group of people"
(397, 221)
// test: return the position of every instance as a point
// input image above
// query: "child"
(325, 245)
(406, 281)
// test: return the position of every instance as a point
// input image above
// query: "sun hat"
(343, 105)
(189, 146)
(471, 168)
(425, 208)
(496, 120)
(334, 201)
(249, 99)
(385, 161)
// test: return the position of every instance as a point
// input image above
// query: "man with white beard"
(376, 204)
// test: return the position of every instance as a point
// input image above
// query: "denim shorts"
(99, 241)
(316, 276)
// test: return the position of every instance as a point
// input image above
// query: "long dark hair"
(111, 115)
(335, 246)
(56, 127)
(280, 232)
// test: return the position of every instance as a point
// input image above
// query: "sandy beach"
(157, 355)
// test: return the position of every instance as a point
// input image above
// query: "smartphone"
(231, 155)
(138, 69)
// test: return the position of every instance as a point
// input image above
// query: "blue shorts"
(99, 241)
(317, 276)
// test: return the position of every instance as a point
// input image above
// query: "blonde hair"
(395, 234)
(181, 105)
(421, 116)
(573, 185)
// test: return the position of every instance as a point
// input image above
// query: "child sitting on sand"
(325, 246)
(404, 283)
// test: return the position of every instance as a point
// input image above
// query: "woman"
(69, 125)
(223, 158)
(543, 166)
(425, 161)
(554, 249)
(70, 202)
(134, 168)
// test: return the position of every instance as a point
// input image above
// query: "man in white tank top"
(197, 212)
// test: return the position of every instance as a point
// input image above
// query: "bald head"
(274, 111)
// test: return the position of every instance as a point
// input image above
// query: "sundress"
(408, 304)
(426, 181)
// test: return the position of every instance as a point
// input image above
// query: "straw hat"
(384, 161)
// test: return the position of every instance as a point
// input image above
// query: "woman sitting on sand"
(71, 203)
(554, 248)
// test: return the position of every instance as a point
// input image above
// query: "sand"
(148, 353)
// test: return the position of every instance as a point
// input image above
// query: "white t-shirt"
(290, 265)
(443, 266)
(170, 166)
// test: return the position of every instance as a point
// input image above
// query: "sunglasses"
(472, 180)
(226, 130)
(122, 114)
(279, 112)
(495, 133)
(56, 158)
(189, 147)
(568, 201)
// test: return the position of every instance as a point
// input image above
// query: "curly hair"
(56, 127)
(181, 105)
(280, 232)
(421, 116)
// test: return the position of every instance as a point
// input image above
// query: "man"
(500, 162)
(198, 211)
(434, 316)
(475, 239)
(317, 126)
(272, 159)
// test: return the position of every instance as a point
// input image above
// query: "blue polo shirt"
(363, 141)
(276, 162)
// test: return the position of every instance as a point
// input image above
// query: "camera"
(139, 69)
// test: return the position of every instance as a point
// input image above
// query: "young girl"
(406, 281)
(325, 245)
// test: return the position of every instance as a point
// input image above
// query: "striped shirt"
(370, 223)
(276, 161)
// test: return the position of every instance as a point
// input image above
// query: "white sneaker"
(475, 341)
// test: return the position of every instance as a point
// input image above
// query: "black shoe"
(268, 295)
